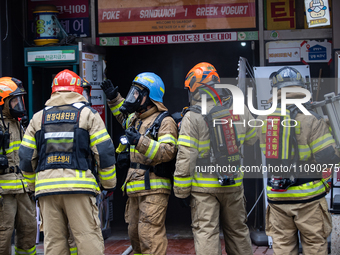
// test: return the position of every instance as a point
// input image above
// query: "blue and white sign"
(317, 52)
(313, 51)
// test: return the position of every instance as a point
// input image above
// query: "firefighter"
(16, 208)
(56, 156)
(297, 197)
(147, 188)
(211, 203)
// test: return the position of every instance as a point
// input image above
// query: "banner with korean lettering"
(121, 16)
(280, 14)
(73, 15)
(177, 38)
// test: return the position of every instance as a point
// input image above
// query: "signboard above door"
(136, 16)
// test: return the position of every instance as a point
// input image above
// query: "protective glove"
(185, 202)
(132, 135)
(110, 91)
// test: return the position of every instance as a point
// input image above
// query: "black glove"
(132, 135)
(185, 202)
(110, 91)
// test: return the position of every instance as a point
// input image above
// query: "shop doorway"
(172, 62)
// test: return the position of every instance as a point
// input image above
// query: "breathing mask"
(17, 107)
(134, 100)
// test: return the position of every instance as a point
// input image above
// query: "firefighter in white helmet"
(296, 143)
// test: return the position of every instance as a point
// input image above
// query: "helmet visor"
(134, 95)
(17, 103)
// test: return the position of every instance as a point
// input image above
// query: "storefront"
(169, 38)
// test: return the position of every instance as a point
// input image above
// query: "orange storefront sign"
(121, 16)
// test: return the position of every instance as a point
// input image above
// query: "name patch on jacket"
(58, 159)
(272, 137)
(61, 116)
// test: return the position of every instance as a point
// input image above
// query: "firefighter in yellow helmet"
(16, 209)
(297, 197)
(152, 146)
(215, 197)
(56, 159)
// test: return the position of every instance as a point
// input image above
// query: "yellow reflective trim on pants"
(115, 109)
(307, 189)
(154, 184)
(12, 184)
(106, 175)
(66, 182)
(182, 181)
(19, 251)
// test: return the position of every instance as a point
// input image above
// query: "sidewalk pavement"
(175, 247)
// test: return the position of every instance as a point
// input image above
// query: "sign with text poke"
(133, 16)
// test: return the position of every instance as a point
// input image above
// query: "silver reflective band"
(78, 105)
(59, 135)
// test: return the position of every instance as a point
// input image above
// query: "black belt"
(147, 169)
(12, 169)
(140, 166)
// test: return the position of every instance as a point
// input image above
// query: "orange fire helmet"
(10, 87)
(202, 73)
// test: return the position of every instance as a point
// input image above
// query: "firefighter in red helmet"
(56, 157)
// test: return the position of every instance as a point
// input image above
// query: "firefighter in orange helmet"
(215, 198)
(56, 158)
(16, 209)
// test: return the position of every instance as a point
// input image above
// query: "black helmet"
(287, 76)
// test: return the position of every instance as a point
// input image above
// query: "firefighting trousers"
(81, 213)
(146, 218)
(208, 211)
(283, 221)
(17, 212)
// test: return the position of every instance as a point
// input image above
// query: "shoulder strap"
(153, 129)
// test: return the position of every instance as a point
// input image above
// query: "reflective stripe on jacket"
(68, 180)
(316, 146)
(12, 183)
(193, 145)
(148, 151)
